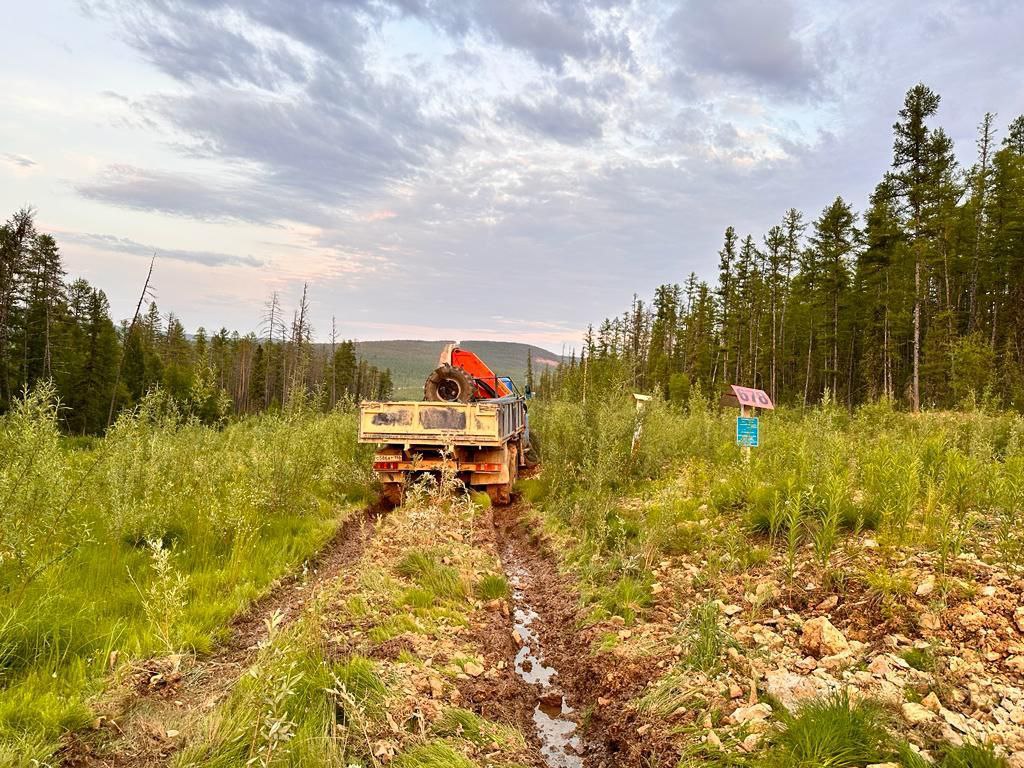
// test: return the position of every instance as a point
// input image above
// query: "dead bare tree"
(146, 294)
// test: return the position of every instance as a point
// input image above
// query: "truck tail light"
(385, 465)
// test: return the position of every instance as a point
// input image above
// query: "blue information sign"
(747, 431)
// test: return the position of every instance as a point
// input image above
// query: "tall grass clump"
(705, 639)
(288, 707)
(832, 733)
(147, 541)
(432, 576)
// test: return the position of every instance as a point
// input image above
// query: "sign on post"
(748, 428)
(747, 397)
(747, 431)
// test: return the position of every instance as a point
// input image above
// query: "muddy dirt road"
(537, 667)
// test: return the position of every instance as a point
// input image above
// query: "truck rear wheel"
(393, 494)
(532, 452)
(501, 493)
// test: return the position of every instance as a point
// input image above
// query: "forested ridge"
(919, 298)
(60, 330)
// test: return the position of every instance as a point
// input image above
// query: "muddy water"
(552, 717)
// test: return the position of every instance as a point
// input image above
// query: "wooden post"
(745, 448)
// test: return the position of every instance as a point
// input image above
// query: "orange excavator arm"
(462, 376)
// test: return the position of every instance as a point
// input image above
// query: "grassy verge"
(146, 542)
(940, 483)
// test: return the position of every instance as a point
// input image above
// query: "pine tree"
(16, 238)
(832, 247)
(910, 163)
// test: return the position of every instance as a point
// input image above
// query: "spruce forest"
(53, 329)
(916, 297)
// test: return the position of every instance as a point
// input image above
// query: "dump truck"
(470, 422)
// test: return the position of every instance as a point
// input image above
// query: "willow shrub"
(147, 541)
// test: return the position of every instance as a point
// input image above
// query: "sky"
(502, 169)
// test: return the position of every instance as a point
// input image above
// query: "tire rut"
(128, 732)
(581, 717)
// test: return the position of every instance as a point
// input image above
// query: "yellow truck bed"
(490, 423)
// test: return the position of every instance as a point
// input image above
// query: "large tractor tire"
(449, 384)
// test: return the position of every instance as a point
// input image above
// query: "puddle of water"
(559, 742)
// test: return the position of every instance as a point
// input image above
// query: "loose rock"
(820, 638)
(915, 713)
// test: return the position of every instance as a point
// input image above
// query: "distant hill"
(412, 361)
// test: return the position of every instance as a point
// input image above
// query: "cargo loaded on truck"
(470, 420)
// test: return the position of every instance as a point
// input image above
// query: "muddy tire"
(532, 453)
(392, 495)
(501, 493)
(449, 384)
(513, 465)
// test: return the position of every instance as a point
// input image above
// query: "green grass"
(362, 687)
(147, 541)
(284, 706)
(949, 756)
(462, 723)
(705, 639)
(832, 733)
(971, 756)
(493, 586)
(432, 576)
(939, 482)
(435, 755)
(627, 598)
(921, 659)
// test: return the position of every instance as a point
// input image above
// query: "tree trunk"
(774, 312)
(915, 395)
(807, 377)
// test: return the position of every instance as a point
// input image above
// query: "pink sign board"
(752, 398)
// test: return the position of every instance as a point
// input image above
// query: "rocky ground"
(944, 654)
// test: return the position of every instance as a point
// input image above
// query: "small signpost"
(748, 428)
(641, 402)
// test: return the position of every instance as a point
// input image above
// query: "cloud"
(220, 197)
(592, 148)
(282, 91)
(550, 32)
(345, 135)
(192, 46)
(554, 118)
(19, 160)
(133, 248)
(751, 41)
(257, 43)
